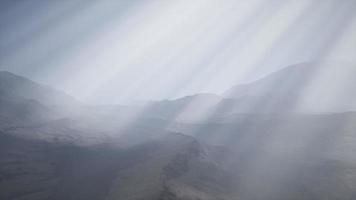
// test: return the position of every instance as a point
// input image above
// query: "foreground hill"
(296, 157)
(173, 166)
(285, 156)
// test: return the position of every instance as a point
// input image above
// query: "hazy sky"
(115, 51)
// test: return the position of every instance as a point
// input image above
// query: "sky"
(117, 51)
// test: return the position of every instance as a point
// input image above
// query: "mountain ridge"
(18, 87)
(303, 87)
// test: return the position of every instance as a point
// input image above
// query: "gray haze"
(267, 108)
(117, 51)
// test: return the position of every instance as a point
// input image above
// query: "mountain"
(188, 108)
(52, 151)
(24, 102)
(316, 87)
(310, 87)
(17, 88)
(202, 146)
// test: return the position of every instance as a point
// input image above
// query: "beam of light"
(177, 63)
(307, 140)
(262, 35)
(189, 108)
(113, 70)
(167, 49)
(128, 47)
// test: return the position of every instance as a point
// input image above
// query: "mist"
(177, 100)
(119, 51)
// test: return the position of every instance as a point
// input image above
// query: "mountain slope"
(37, 170)
(178, 167)
(281, 157)
(172, 166)
(24, 102)
(311, 87)
(187, 108)
(304, 87)
(13, 87)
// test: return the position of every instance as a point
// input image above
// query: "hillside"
(16, 88)
(316, 87)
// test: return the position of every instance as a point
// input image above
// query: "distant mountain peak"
(16, 87)
(318, 86)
